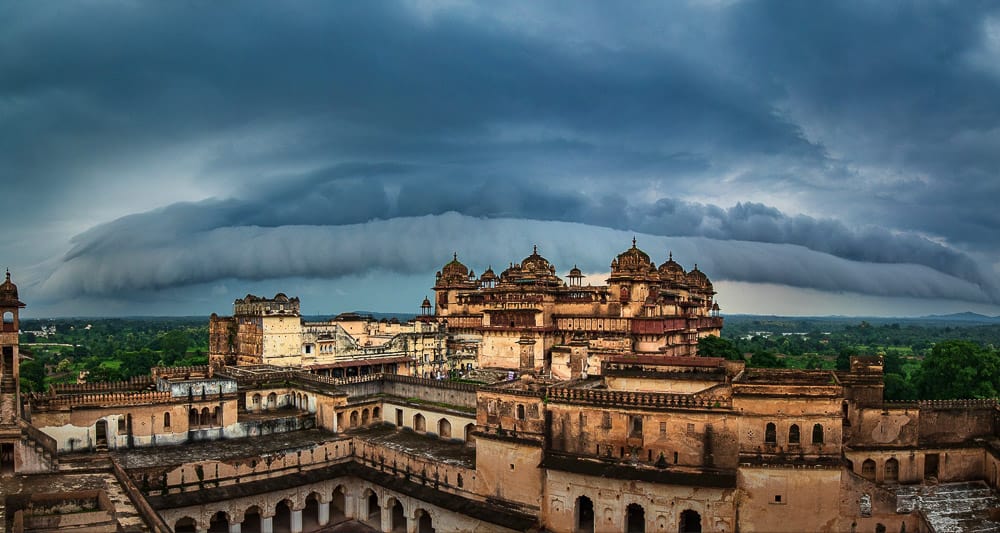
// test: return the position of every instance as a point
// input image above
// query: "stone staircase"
(952, 507)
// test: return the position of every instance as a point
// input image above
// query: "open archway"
(219, 523)
(397, 521)
(282, 520)
(337, 502)
(690, 522)
(635, 519)
(374, 512)
(424, 522)
(584, 515)
(310, 515)
(251, 520)
(185, 525)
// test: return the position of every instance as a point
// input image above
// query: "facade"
(271, 331)
(527, 318)
(631, 440)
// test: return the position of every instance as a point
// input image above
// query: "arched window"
(770, 434)
(868, 469)
(376, 414)
(520, 412)
(8, 317)
(166, 420)
(818, 434)
(793, 434)
(892, 470)
(354, 419)
(418, 423)
(444, 429)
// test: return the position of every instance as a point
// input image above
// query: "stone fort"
(582, 409)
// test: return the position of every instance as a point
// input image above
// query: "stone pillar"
(386, 519)
(236, 528)
(350, 507)
(266, 524)
(297, 521)
(324, 513)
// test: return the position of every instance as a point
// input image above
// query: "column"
(297, 521)
(236, 528)
(350, 507)
(386, 519)
(324, 513)
(266, 524)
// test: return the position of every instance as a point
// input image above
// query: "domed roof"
(454, 273)
(488, 275)
(455, 268)
(671, 270)
(697, 278)
(536, 263)
(575, 272)
(425, 303)
(633, 263)
(8, 294)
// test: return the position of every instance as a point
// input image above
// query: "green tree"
(844, 358)
(958, 369)
(32, 376)
(899, 388)
(713, 346)
(765, 359)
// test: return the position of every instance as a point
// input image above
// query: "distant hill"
(964, 317)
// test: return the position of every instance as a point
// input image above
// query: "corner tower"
(10, 307)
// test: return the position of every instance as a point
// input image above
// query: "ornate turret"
(533, 270)
(8, 294)
(455, 274)
(575, 277)
(671, 272)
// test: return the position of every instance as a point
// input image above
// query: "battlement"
(137, 383)
(646, 400)
(110, 399)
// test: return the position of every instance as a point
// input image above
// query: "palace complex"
(581, 409)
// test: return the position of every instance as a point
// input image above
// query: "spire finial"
(535, 249)
(670, 255)
(633, 241)
(8, 274)
(455, 256)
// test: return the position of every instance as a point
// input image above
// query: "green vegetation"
(108, 349)
(923, 359)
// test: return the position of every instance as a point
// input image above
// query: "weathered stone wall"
(774, 499)
(662, 504)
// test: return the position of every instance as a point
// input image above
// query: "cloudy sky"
(811, 157)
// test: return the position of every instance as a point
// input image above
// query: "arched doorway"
(635, 518)
(444, 428)
(584, 513)
(419, 424)
(337, 513)
(690, 522)
(219, 523)
(310, 515)
(424, 524)
(251, 520)
(470, 440)
(374, 515)
(272, 401)
(186, 525)
(397, 523)
(282, 520)
(364, 417)
(354, 419)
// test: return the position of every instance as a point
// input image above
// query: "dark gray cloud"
(865, 131)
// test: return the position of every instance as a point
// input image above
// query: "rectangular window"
(663, 429)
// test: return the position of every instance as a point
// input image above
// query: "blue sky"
(811, 158)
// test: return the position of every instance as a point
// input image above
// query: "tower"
(10, 400)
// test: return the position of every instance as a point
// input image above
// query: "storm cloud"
(151, 146)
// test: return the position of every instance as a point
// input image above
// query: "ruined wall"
(955, 421)
(774, 499)
(886, 427)
(915, 465)
(458, 394)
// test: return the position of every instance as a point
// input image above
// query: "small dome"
(488, 275)
(697, 278)
(575, 272)
(671, 270)
(425, 303)
(455, 268)
(632, 263)
(8, 294)
(536, 263)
